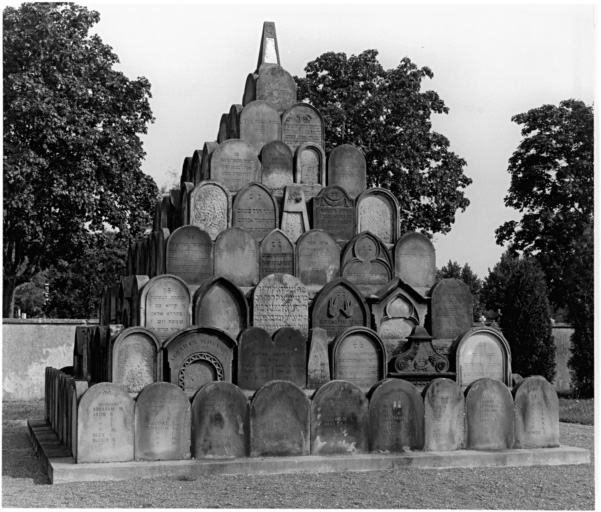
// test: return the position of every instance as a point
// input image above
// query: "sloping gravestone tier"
(302, 123)
(137, 359)
(276, 159)
(277, 87)
(359, 356)
(162, 236)
(197, 355)
(378, 212)
(105, 425)
(415, 261)
(452, 310)
(162, 423)
(444, 416)
(196, 167)
(165, 305)
(279, 420)
(184, 208)
(317, 259)
(318, 362)
(220, 422)
(222, 132)
(237, 257)
(161, 213)
(347, 168)
(211, 208)
(250, 89)
(280, 300)
(174, 209)
(261, 359)
(366, 263)
(138, 284)
(276, 254)
(482, 352)
(536, 414)
(255, 210)
(205, 167)
(334, 213)
(310, 168)
(339, 305)
(235, 164)
(233, 121)
(220, 303)
(489, 413)
(339, 419)
(189, 255)
(295, 220)
(396, 417)
(260, 123)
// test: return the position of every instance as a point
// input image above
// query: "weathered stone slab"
(190, 255)
(260, 123)
(310, 168)
(378, 212)
(174, 210)
(222, 133)
(165, 305)
(233, 121)
(220, 303)
(277, 87)
(197, 355)
(255, 210)
(255, 358)
(295, 220)
(196, 167)
(77, 388)
(276, 254)
(277, 163)
(220, 422)
(359, 356)
(366, 263)
(105, 425)
(290, 356)
(318, 363)
(334, 212)
(237, 257)
(302, 123)
(279, 420)
(536, 414)
(235, 164)
(81, 351)
(152, 255)
(186, 175)
(137, 359)
(184, 207)
(317, 259)
(162, 236)
(161, 213)
(489, 412)
(339, 305)
(280, 300)
(444, 416)
(415, 261)
(162, 423)
(205, 166)
(211, 208)
(339, 419)
(452, 310)
(396, 417)
(138, 284)
(250, 89)
(347, 168)
(482, 352)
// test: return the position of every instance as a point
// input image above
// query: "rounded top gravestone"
(378, 212)
(276, 160)
(260, 123)
(235, 164)
(210, 207)
(347, 168)
(444, 416)
(255, 210)
(415, 261)
(302, 123)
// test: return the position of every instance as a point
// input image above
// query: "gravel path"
(25, 484)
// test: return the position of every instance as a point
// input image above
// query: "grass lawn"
(572, 410)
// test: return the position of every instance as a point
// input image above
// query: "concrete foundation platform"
(62, 468)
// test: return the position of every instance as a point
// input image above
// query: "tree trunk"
(9, 284)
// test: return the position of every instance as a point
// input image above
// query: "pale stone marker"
(536, 414)
(162, 423)
(295, 220)
(415, 261)
(233, 246)
(310, 168)
(318, 363)
(260, 123)
(334, 212)
(347, 168)
(444, 416)
(302, 123)
(276, 254)
(378, 212)
(255, 210)
(277, 87)
(317, 259)
(451, 310)
(278, 171)
(235, 164)
(189, 255)
(211, 207)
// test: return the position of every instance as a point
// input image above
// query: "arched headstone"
(189, 255)
(415, 261)
(184, 208)
(334, 212)
(317, 259)
(222, 132)
(235, 164)
(277, 87)
(347, 168)
(233, 121)
(186, 175)
(536, 414)
(260, 123)
(302, 123)
(378, 212)
(310, 168)
(444, 416)
(278, 173)
(451, 310)
(237, 257)
(211, 208)
(205, 165)
(276, 254)
(196, 168)
(255, 210)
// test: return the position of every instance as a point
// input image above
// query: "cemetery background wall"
(28, 346)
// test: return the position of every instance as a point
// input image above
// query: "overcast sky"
(490, 62)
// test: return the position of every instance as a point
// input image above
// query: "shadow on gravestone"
(339, 419)
(444, 416)
(317, 259)
(237, 257)
(276, 254)
(162, 423)
(378, 213)
(220, 422)
(233, 121)
(260, 123)
(278, 170)
(302, 123)
(279, 420)
(255, 210)
(347, 168)
(189, 255)
(415, 262)
(205, 166)
(334, 212)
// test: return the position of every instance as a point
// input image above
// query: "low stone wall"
(28, 346)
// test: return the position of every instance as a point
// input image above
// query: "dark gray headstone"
(81, 351)
(318, 362)
(444, 416)
(278, 173)
(152, 255)
(250, 89)
(138, 284)
(162, 236)
(161, 213)
(196, 168)
(295, 220)
(211, 207)
(334, 212)
(317, 259)
(105, 425)
(279, 420)
(220, 422)
(222, 133)
(276, 254)
(205, 166)
(255, 210)
(233, 121)
(290, 356)
(415, 261)
(277, 87)
(260, 123)
(451, 312)
(255, 358)
(339, 419)
(489, 412)
(347, 168)
(184, 207)
(174, 209)
(378, 212)
(310, 168)
(162, 423)
(189, 255)
(186, 175)
(302, 123)
(235, 164)
(396, 417)
(237, 257)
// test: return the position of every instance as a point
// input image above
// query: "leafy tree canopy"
(386, 115)
(552, 176)
(454, 270)
(72, 150)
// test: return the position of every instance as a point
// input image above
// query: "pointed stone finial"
(269, 53)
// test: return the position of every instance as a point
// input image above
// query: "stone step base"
(62, 468)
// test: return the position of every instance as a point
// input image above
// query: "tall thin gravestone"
(295, 220)
(536, 413)
(347, 168)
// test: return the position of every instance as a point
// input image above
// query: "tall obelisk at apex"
(269, 53)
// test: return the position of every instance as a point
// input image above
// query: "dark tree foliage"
(386, 115)
(526, 321)
(492, 295)
(29, 297)
(72, 150)
(454, 270)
